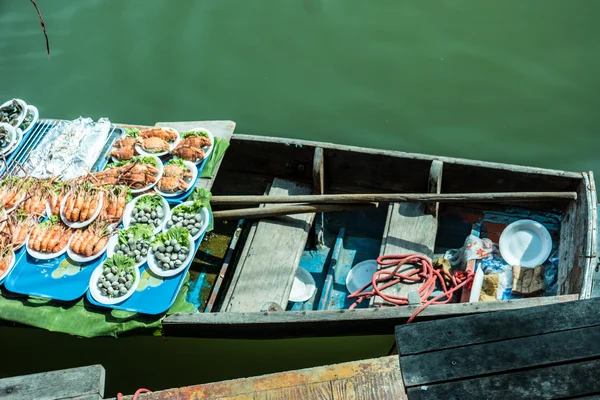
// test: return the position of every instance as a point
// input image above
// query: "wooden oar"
(397, 197)
(265, 212)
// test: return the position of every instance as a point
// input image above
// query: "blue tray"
(59, 278)
(154, 294)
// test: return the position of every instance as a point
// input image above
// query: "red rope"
(422, 272)
(135, 395)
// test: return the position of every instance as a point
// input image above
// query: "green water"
(511, 81)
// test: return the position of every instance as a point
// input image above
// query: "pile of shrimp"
(18, 225)
(82, 203)
(115, 198)
(91, 240)
(49, 237)
(37, 197)
(12, 191)
(6, 255)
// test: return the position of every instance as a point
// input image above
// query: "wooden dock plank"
(267, 272)
(84, 383)
(377, 379)
(501, 356)
(410, 228)
(554, 382)
(435, 335)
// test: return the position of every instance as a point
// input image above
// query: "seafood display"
(171, 248)
(187, 216)
(7, 137)
(49, 236)
(82, 203)
(115, 198)
(31, 117)
(192, 146)
(13, 112)
(148, 209)
(92, 240)
(137, 173)
(125, 146)
(134, 242)
(117, 277)
(69, 149)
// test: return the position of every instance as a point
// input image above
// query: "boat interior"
(249, 265)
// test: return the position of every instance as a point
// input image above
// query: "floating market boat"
(304, 269)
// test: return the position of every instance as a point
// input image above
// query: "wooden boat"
(246, 267)
(263, 255)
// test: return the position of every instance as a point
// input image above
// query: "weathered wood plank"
(435, 185)
(501, 356)
(409, 229)
(430, 336)
(553, 382)
(359, 321)
(268, 270)
(380, 376)
(83, 383)
(220, 129)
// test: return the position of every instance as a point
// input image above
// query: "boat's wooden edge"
(369, 321)
(417, 156)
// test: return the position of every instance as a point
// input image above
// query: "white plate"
(360, 275)
(18, 138)
(23, 106)
(13, 137)
(97, 295)
(110, 249)
(36, 117)
(82, 223)
(82, 259)
(303, 286)
(129, 208)
(525, 243)
(207, 149)
(205, 219)
(192, 167)
(171, 272)
(44, 256)
(172, 145)
(11, 264)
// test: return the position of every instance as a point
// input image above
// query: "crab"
(171, 184)
(176, 171)
(162, 133)
(123, 153)
(189, 153)
(153, 144)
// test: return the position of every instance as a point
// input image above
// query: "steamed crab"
(176, 171)
(172, 184)
(165, 134)
(153, 144)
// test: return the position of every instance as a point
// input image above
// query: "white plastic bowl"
(13, 138)
(303, 287)
(172, 145)
(525, 243)
(100, 298)
(15, 144)
(129, 208)
(113, 241)
(192, 167)
(82, 223)
(157, 270)
(23, 113)
(360, 275)
(36, 117)
(11, 265)
(82, 259)
(44, 256)
(205, 219)
(207, 149)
